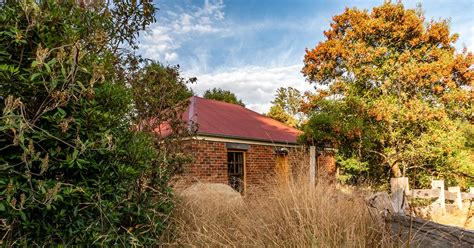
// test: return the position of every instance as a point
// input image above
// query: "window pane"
(235, 170)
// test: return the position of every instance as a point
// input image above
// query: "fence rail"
(400, 189)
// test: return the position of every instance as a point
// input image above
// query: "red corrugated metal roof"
(234, 121)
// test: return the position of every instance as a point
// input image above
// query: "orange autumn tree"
(394, 96)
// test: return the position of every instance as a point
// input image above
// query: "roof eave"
(279, 142)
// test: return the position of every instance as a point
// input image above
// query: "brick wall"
(210, 164)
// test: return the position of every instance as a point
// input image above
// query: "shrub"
(72, 168)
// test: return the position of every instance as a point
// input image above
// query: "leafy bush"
(73, 170)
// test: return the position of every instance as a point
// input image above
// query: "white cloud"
(470, 40)
(158, 42)
(256, 86)
(175, 27)
(171, 57)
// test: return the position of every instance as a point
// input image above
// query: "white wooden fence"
(411, 231)
(400, 189)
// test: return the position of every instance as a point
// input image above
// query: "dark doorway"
(235, 170)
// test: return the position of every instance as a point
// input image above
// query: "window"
(235, 170)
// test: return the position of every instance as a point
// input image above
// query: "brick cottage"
(239, 147)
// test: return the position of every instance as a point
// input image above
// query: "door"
(235, 170)
(282, 168)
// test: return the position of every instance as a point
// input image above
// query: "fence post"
(312, 165)
(399, 187)
(441, 201)
(457, 191)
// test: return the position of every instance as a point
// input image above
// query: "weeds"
(294, 215)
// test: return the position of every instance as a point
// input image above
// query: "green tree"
(397, 95)
(160, 96)
(73, 169)
(155, 84)
(286, 107)
(222, 95)
(288, 99)
(278, 113)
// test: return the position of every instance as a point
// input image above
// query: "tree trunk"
(396, 170)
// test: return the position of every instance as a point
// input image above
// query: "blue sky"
(254, 47)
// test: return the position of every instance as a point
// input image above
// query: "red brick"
(210, 165)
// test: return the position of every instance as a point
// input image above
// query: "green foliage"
(223, 95)
(286, 107)
(288, 99)
(352, 168)
(72, 169)
(160, 97)
(276, 112)
(158, 88)
(398, 97)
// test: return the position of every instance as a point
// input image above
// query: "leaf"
(48, 68)
(82, 161)
(52, 62)
(2, 207)
(74, 154)
(23, 216)
(54, 83)
(34, 76)
(62, 112)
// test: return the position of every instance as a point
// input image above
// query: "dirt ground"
(455, 217)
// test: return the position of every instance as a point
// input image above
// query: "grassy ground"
(294, 215)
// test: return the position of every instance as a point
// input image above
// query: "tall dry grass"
(294, 215)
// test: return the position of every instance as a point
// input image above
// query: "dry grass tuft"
(294, 215)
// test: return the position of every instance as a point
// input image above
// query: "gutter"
(270, 142)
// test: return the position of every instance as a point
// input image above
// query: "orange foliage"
(390, 51)
(397, 77)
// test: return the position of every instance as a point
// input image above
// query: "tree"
(286, 107)
(278, 113)
(288, 99)
(160, 96)
(223, 95)
(396, 94)
(155, 83)
(73, 169)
